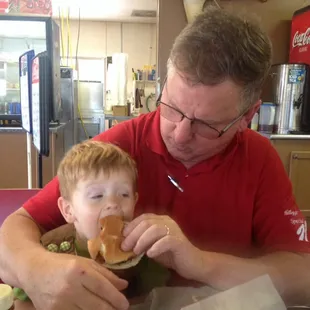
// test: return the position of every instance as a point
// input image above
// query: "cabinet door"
(299, 173)
(50, 163)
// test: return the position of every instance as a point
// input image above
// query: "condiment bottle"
(6, 297)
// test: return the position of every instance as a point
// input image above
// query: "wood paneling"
(295, 155)
(300, 177)
(13, 163)
(274, 15)
(171, 20)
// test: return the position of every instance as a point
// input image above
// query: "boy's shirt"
(142, 278)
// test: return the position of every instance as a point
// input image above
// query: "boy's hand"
(66, 282)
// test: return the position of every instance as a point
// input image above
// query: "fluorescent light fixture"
(22, 29)
(90, 7)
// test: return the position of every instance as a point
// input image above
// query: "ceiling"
(110, 10)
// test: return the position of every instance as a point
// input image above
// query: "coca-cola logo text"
(301, 39)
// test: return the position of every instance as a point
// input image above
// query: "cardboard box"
(120, 110)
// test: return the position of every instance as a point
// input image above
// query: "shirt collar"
(153, 136)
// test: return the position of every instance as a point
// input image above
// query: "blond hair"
(88, 159)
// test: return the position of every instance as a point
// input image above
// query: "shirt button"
(187, 176)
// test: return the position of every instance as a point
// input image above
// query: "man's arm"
(20, 235)
(52, 280)
(19, 243)
(289, 272)
(279, 231)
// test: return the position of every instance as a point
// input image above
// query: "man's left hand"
(161, 238)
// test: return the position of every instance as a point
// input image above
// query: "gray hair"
(220, 45)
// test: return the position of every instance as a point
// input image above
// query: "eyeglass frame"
(220, 133)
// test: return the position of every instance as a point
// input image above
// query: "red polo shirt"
(235, 202)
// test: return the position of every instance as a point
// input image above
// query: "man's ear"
(66, 210)
(246, 119)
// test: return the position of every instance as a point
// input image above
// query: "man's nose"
(183, 131)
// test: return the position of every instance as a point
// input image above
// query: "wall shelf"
(146, 82)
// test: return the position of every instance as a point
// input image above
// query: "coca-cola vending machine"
(300, 54)
(300, 37)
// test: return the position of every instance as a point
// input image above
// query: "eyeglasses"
(199, 127)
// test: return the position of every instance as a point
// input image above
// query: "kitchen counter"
(285, 137)
(118, 117)
(54, 128)
(289, 137)
(11, 129)
(13, 164)
(110, 118)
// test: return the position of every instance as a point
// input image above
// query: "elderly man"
(215, 205)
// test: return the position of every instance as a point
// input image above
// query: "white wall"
(100, 39)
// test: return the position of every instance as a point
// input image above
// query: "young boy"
(98, 179)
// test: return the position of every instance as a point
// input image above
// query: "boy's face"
(96, 198)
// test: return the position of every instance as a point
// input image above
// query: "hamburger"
(106, 248)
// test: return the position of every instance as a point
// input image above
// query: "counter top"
(285, 137)
(289, 137)
(57, 127)
(118, 117)
(11, 129)
(53, 128)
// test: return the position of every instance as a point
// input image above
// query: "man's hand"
(162, 239)
(66, 282)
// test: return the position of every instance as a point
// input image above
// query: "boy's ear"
(136, 197)
(66, 210)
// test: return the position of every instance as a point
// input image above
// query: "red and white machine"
(4, 6)
(300, 54)
(300, 37)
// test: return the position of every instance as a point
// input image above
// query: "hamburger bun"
(106, 248)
